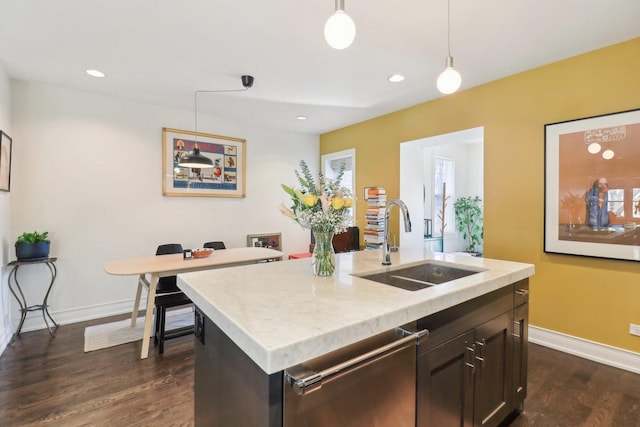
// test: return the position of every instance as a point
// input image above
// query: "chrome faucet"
(386, 257)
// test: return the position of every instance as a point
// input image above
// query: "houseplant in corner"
(32, 246)
(469, 222)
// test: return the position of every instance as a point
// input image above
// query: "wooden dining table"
(173, 264)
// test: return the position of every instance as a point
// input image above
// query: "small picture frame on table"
(266, 240)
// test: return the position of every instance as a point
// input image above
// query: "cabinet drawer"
(449, 323)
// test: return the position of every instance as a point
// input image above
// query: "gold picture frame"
(227, 178)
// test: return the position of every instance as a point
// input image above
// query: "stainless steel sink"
(419, 276)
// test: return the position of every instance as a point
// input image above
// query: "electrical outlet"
(634, 329)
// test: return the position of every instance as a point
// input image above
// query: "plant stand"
(24, 308)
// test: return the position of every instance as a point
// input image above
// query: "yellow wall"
(591, 298)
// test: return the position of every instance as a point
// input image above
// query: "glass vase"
(323, 259)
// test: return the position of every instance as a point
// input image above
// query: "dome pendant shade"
(449, 80)
(340, 30)
(196, 160)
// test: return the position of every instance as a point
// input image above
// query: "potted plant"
(469, 222)
(31, 246)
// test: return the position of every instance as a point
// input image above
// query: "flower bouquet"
(323, 207)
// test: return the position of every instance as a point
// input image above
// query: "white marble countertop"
(280, 314)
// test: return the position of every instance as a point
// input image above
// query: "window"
(616, 201)
(331, 164)
(635, 208)
(444, 175)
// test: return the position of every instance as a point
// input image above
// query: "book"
(375, 191)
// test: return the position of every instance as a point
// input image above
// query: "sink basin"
(419, 276)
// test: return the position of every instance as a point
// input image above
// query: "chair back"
(170, 248)
(168, 284)
(215, 245)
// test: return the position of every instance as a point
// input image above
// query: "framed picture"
(270, 240)
(5, 161)
(226, 178)
(592, 186)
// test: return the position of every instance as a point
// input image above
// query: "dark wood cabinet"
(520, 344)
(467, 380)
(446, 382)
(493, 371)
(473, 372)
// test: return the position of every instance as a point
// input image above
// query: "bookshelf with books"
(374, 228)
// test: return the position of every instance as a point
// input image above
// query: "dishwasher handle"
(307, 384)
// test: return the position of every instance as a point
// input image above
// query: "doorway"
(465, 149)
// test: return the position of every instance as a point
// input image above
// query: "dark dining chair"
(168, 295)
(215, 245)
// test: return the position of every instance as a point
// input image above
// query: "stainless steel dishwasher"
(371, 384)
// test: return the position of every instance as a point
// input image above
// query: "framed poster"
(5, 161)
(592, 186)
(226, 178)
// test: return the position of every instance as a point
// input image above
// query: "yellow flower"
(337, 203)
(310, 200)
(348, 202)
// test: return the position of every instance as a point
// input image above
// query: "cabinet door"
(445, 384)
(494, 370)
(520, 354)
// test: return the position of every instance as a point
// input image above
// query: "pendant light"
(449, 80)
(339, 31)
(195, 159)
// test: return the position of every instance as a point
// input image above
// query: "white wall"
(411, 193)
(88, 169)
(6, 242)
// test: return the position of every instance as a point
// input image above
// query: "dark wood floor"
(51, 382)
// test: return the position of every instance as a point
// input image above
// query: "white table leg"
(148, 318)
(136, 305)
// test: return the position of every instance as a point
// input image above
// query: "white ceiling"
(162, 51)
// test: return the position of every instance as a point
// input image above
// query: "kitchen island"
(257, 321)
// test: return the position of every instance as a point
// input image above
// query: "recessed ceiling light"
(96, 73)
(301, 117)
(396, 78)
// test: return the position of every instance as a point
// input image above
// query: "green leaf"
(289, 190)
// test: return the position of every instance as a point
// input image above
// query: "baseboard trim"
(34, 320)
(5, 339)
(602, 353)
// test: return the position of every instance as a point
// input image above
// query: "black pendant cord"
(449, 28)
(247, 82)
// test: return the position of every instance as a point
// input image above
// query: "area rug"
(121, 332)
